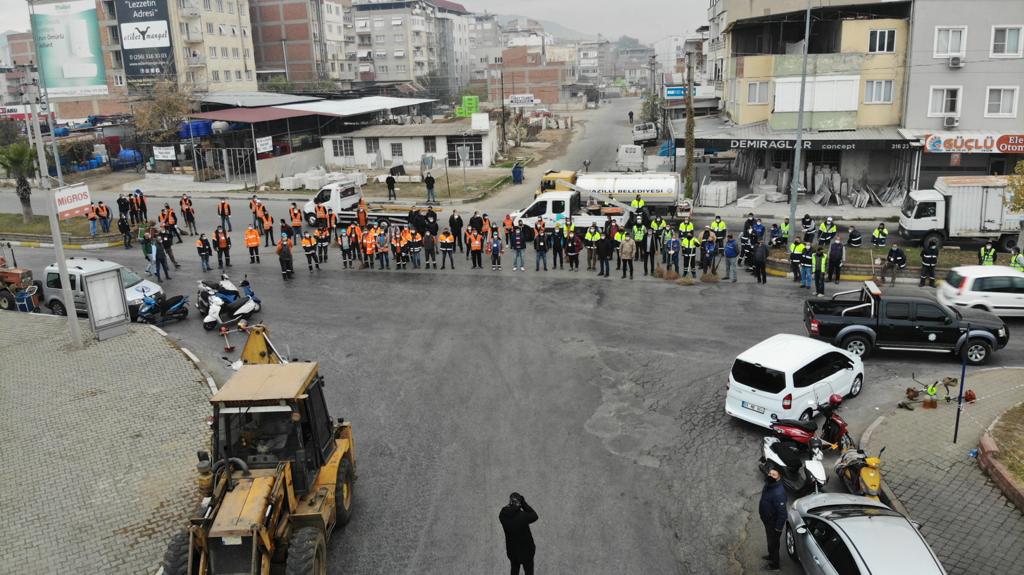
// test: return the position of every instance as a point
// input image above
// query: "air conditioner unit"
(950, 122)
(956, 62)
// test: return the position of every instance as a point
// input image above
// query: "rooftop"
(250, 115)
(355, 107)
(254, 99)
(785, 352)
(256, 383)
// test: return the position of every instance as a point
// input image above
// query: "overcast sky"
(647, 20)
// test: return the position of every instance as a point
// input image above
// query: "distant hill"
(553, 28)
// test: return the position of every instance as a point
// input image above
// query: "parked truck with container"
(961, 208)
(661, 191)
(559, 207)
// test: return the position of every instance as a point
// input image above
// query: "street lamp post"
(794, 184)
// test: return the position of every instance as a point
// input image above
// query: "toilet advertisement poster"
(70, 57)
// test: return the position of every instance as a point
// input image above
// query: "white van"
(77, 267)
(788, 377)
(998, 289)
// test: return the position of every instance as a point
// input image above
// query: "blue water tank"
(129, 155)
(195, 129)
(61, 132)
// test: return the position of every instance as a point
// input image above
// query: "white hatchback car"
(998, 289)
(788, 377)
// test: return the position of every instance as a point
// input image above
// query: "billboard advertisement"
(70, 60)
(145, 41)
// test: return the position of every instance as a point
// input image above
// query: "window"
(429, 144)
(399, 53)
(538, 209)
(227, 75)
(396, 21)
(398, 37)
(757, 93)
(215, 75)
(213, 53)
(234, 30)
(401, 68)
(234, 53)
(833, 547)
(378, 22)
(878, 92)
(118, 79)
(372, 145)
(220, 5)
(396, 150)
(245, 53)
(53, 280)
(897, 310)
(238, 75)
(220, 29)
(925, 210)
(343, 148)
(362, 23)
(209, 27)
(945, 101)
(931, 313)
(382, 68)
(380, 38)
(882, 41)
(231, 7)
(950, 42)
(224, 52)
(758, 376)
(245, 31)
(1006, 41)
(381, 54)
(1001, 102)
(206, 5)
(248, 75)
(997, 284)
(815, 371)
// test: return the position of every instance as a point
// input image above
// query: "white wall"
(289, 165)
(412, 150)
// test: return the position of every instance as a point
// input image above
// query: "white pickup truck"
(339, 197)
(557, 207)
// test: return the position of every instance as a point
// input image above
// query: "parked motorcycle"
(800, 466)
(158, 309)
(861, 474)
(225, 304)
(833, 431)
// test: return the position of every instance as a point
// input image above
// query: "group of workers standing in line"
(419, 242)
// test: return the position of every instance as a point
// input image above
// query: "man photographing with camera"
(515, 519)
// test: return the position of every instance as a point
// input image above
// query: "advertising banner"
(974, 143)
(145, 41)
(70, 57)
(264, 144)
(72, 200)
(164, 153)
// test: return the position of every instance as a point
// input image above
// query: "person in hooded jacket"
(895, 260)
(126, 231)
(929, 261)
(515, 519)
(732, 251)
(648, 248)
(429, 250)
(836, 257)
(605, 248)
(573, 247)
(205, 250)
(772, 510)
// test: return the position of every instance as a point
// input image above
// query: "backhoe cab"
(277, 481)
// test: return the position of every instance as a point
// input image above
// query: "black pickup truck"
(863, 320)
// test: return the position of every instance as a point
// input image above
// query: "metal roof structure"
(411, 131)
(355, 107)
(255, 99)
(251, 115)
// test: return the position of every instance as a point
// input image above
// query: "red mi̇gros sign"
(72, 200)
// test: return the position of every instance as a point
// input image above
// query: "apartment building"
(485, 44)
(304, 42)
(595, 60)
(963, 100)
(214, 44)
(856, 84)
(522, 71)
(453, 48)
(396, 41)
(634, 65)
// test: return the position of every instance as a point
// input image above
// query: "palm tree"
(19, 163)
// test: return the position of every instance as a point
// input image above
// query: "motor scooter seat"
(230, 308)
(168, 303)
(805, 425)
(789, 453)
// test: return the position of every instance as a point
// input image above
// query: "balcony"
(367, 76)
(190, 11)
(196, 61)
(192, 35)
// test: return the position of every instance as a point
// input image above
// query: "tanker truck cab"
(555, 181)
(923, 215)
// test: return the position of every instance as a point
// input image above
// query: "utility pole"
(504, 133)
(794, 184)
(58, 241)
(691, 169)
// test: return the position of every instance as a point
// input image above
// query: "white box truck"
(960, 208)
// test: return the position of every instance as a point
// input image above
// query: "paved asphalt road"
(601, 400)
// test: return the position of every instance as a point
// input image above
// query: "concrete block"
(290, 183)
(750, 201)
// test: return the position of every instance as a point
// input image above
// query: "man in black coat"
(390, 183)
(515, 519)
(476, 222)
(772, 509)
(455, 223)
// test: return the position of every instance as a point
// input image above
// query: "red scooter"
(833, 430)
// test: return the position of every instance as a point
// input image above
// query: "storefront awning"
(715, 132)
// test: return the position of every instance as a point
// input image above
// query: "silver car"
(840, 534)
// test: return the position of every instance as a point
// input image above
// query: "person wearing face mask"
(515, 519)
(836, 257)
(772, 509)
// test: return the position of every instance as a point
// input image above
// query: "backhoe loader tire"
(176, 556)
(307, 553)
(343, 493)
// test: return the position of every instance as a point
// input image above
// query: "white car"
(998, 289)
(789, 377)
(77, 267)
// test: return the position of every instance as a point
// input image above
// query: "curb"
(988, 460)
(96, 246)
(887, 494)
(210, 383)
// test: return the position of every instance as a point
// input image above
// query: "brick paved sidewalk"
(964, 516)
(98, 447)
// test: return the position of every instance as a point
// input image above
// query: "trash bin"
(517, 174)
